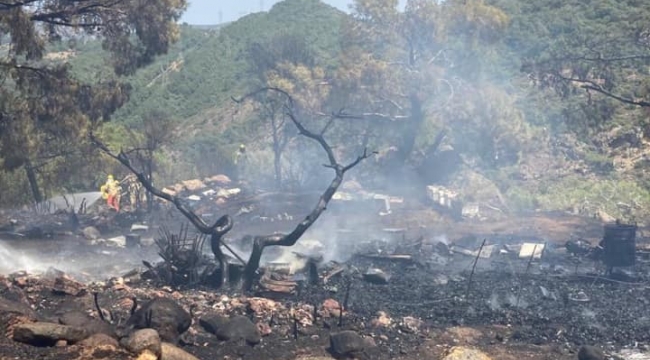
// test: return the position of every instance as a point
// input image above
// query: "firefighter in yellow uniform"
(111, 192)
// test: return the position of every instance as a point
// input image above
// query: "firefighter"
(111, 192)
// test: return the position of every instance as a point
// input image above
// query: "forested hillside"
(542, 104)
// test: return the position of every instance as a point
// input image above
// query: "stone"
(346, 343)
(194, 185)
(91, 233)
(261, 306)
(65, 285)
(382, 320)
(219, 179)
(141, 340)
(99, 340)
(47, 334)
(588, 352)
(171, 352)
(410, 324)
(90, 325)
(465, 353)
(163, 315)
(231, 329)
(376, 276)
(331, 308)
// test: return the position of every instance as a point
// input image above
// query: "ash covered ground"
(404, 280)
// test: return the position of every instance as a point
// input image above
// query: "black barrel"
(619, 245)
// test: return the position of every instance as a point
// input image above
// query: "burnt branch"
(591, 85)
(216, 230)
(290, 239)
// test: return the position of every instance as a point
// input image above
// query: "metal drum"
(619, 245)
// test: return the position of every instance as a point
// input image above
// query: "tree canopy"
(44, 110)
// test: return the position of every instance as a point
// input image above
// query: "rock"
(171, 352)
(147, 355)
(47, 334)
(465, 353)
(410, 325)
(588, 352)
(331, 308)
(346, 343)
(194, 185)
(90, 325)
(99, 340)
(261, 306)
(91, 233)
(163, 315)
(233, 329)
(376, 276)
(382, 320)
(67, 286)
(219, 179)
(264, 328)
(141, 340)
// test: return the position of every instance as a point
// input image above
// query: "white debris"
(527, 250)
(194, 198)
(209, 192)
(117, 241)
(486, 252)
(226, 193)
(139, 227)
(442, 196)
(471, 210)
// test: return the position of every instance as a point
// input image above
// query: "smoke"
(88, 263)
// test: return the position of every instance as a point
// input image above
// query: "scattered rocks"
(231, 329)
(47, 334)
(143, 340)
(346, 343)
(588, 352)
(376, 276)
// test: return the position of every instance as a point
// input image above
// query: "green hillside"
(544, 104)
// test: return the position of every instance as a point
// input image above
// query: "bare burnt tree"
(225, 223)
(216, 231)
(262, 242)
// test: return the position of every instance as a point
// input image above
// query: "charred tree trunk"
(262, 242)
(33, 182)
(216, 231)
(413, 128)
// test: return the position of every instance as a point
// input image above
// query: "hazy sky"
(206, 12)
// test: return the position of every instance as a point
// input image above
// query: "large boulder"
(165, 316)
(47, 334)
(231, 329)
(346, 343)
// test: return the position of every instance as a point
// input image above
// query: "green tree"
(45, 112)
